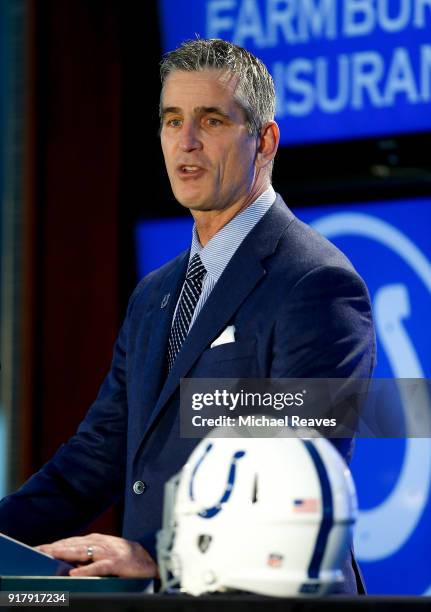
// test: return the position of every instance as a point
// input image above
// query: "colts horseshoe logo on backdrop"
(408, 499)
(213, 510)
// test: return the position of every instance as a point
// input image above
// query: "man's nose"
(189, 138)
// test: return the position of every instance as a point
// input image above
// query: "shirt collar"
(218, 251)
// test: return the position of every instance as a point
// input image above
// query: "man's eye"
(212, 121)
(173, 122)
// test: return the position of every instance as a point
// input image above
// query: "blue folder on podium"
(23, 568)
(18, 559)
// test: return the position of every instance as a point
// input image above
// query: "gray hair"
(255, 89)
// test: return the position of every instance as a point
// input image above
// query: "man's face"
(208, 150)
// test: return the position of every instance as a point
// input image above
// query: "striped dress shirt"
(218, 251)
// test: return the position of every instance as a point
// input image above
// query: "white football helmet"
(270, 516)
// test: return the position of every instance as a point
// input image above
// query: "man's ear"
(267, 144)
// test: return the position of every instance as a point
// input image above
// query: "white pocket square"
(227, 335)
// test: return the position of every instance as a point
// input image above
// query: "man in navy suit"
(296, 304)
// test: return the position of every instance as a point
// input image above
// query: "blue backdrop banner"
(342, 69)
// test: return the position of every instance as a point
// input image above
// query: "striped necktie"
(190, 294)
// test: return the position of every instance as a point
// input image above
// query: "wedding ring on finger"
(90, 553)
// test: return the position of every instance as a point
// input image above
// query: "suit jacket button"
(139, 487)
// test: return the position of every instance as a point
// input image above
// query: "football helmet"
(268, 516)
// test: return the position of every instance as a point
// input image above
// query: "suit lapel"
(219, 308)
(161, 322)
(240, 277)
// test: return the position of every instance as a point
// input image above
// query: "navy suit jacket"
(299, 310)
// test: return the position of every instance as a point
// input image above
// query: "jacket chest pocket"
(230, 360)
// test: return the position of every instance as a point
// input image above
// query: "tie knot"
(196, 269)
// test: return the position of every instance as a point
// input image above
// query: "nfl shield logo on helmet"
(275, 560)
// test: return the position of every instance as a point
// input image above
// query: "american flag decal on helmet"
(306, 504)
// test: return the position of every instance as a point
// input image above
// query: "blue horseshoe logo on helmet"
(213, 510)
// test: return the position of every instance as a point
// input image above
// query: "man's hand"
(103, 555)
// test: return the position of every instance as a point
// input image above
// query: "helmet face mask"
(269, 516)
